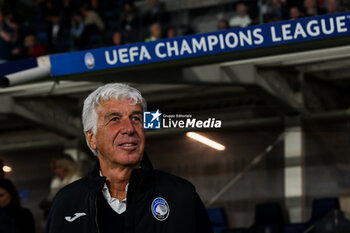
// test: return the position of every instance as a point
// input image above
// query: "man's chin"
(131, 158)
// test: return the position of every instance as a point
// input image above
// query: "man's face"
(120, 138)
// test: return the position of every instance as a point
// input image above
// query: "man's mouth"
(128, 145)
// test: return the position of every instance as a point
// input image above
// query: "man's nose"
(127, 127)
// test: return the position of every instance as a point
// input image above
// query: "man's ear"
(91, 138)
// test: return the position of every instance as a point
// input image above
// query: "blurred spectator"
(40, 9)
(91, 18)
(66, 171)
(187, 30)
(223, 25)
(155, 32)
(170, 32)
(69, 8)
(30, 48)
(272, 8)
(94, 27)
(311, 8)
(321, 3)
(15, 27)
(155, 13)
(56, 24)
(77, 28)
(10, 203)
(345, 6)
(54, 31)
(34, 49)
(94, 5)
(48, 9)
(5, 40)
(128, 17)
(332, 6)
(242, 18)
(9, 7)
(117, 39)
(294, 13)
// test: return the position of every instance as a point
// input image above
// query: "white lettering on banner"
(144, 53)
(286, 33)
(212, 41)
(228, 41)
(299, 30)
(275, 33)
(201, 45)
(133, 53)
(221, 39)
(123, 56)
(172, 48)
(126, 55)
(257, 34)
(185, 48)
(158, 53)
(341, 24)
(324, 27)
(313, 28)
(108, 59)
(243, 38)
(315, 31)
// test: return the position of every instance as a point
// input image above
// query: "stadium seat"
(321, 207)
(268, 213)
(268, 218)
(333, 221)
(294, 228)
(217, 218)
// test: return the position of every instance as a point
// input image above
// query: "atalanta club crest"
(160, 209)
(89, 60)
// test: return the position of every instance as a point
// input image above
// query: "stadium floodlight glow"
(205, 141)
(7, 168)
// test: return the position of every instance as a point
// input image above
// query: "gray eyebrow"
(112, 114)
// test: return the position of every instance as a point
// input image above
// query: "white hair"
(109, 91)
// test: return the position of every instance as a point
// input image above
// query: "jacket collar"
(138, 177)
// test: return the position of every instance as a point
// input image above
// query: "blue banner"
(260, 36)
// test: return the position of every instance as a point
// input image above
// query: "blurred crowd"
(56, 26)
(14, 218)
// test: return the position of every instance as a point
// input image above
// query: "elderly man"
(123, 193)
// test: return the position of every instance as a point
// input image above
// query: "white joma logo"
(76, 215)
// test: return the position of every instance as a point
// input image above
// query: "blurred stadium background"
(285, 109)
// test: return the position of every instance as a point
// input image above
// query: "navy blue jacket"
(157, 202)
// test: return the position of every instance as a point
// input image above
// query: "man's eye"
(115, 119)
(136, 118)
